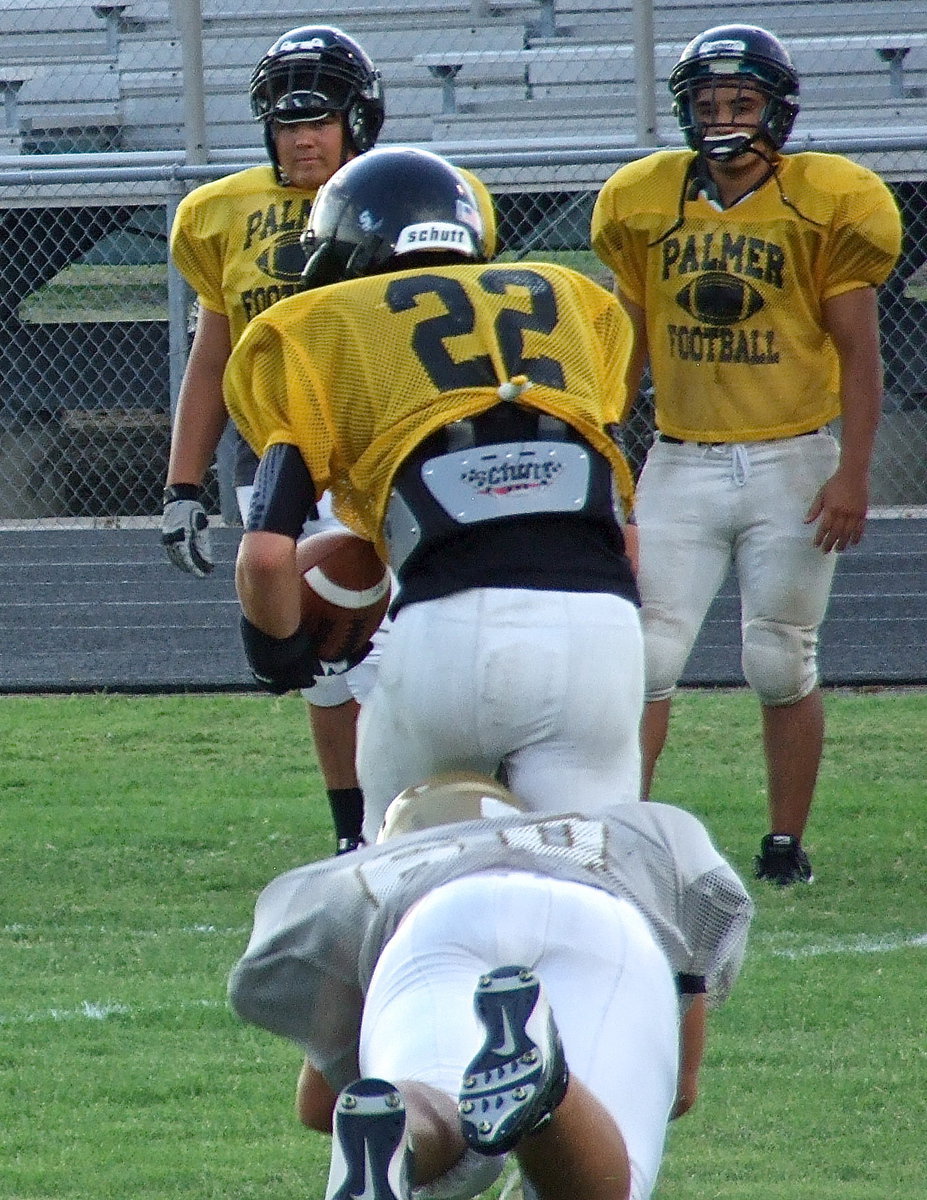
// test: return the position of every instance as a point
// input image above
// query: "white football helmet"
(446, 798)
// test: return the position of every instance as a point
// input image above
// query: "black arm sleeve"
(284, 494)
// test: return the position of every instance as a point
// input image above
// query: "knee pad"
(780, 661)
(667, 644)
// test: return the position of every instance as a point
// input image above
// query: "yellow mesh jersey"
(236, 241)
(357, 374)
(733, 299)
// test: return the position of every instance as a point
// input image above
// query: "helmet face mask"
(739, 60)
(388, 210)
(735, 104)
(311, 72)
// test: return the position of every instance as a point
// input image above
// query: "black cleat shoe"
(520, 1076)
(371, 1159)
(782, 861)
(347, 844)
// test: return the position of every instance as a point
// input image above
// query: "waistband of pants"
(675, 441)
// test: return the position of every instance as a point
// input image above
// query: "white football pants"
(549, 683)
(701, 509)
(608, 984)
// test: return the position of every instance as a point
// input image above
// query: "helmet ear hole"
(364, 258)
(363, 122)
(325, 266)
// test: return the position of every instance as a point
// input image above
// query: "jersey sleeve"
(615, 241)
(298, 975)
(867, 238)
(713, 910)
(272, 396)
(197, 258)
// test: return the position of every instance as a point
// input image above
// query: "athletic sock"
(347, 805)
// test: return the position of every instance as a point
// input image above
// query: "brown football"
(346, 591)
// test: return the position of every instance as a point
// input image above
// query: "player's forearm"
(637, 360)
(315, 1099)
(267, 582)
(861, 404)
(861, 411)
(198, 425)
(635, 372)
(201, 414)
(852, 322)
(692, 1049)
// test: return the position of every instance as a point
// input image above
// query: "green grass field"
(83, 292)
(136, 832)
(138, 291)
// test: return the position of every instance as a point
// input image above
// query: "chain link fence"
(543, 99)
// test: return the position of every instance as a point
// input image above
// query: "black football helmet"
(736, 54)
(390, 209)
(315, 70)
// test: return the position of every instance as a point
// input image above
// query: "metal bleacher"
(109, 76)
(582, 79)
(82, 76)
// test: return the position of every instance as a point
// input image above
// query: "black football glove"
(280, 664)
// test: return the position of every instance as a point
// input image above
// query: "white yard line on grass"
(89, 1010)
(854, 945)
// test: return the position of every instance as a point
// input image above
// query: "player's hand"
(341, 665)
(686, 1094)
(185, 530)
(280, 665)
(840, 511)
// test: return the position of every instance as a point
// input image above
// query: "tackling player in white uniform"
(512, 983)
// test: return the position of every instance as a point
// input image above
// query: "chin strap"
(702, 180)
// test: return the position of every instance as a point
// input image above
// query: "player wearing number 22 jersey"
(462, 415)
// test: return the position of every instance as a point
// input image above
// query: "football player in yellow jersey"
(462, 416)
(750, 279)
(236, 241)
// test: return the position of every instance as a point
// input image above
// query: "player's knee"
(666, 648)
(780, 661)
(471, 1175)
